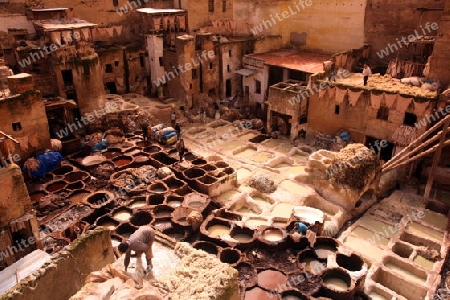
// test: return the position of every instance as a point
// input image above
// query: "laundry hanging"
(182, 22)
(340, 95)
(353, 97)
(157, 23)
(86, 33)
(403, 104)
(118, 30)
(376, 100)
(110, 31)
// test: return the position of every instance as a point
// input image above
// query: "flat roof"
(62, 24)
(386, 84)
(160, 10)
(49, 9)
(293, 59)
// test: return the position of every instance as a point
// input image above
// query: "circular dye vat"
(218, 230)
(162, 224)
(258, 293)
(230, 256)
(242, 234)
(36, 196)
(272, 280)
(76, 176)
(107, 221)
(353, 263)
(138, 203)
(141, 218)
(62, 170)
(156, 199)
(336, 283)
(162, 211)
(272, 235)
(125, 230)
(207, 247)
(56, 186)
(78, 196)
(158, 188)
(256, 222)
(293, 295)
(175, 233)
(122, 161)
(122, 214)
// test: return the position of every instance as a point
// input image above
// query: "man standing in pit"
(140, 242)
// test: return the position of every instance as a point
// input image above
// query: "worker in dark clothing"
(140, 242)
(178, 130)
(180, 148)
(145, 131)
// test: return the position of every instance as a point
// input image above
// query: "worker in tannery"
(140, 242)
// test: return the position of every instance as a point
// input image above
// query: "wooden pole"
(437, 157)
(401, 159)
(413, 143)
(425, 153)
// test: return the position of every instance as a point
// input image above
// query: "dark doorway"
(228, 88)
(297, 75)
(375, 145)
(72, 96)
(111, 87)
(246, 94)
(275, 75)
(67, 77)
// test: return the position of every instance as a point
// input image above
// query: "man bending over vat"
(140, 242)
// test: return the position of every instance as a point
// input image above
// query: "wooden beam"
(416, 141)
(437, 158)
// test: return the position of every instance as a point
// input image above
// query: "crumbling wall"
(113, 57)
(65, 274)
(28, 109)
(15, 200)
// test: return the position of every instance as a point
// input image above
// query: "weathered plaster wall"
(15, 200)
(66, 273)
(29, 110)
(386, 21)
(329, 26)
(104, 12)
(439, 60)
(234, 63)
(155, 51)
(200, 16)
(250, 81)
(89, 86)
(210, 57)
(114, 57)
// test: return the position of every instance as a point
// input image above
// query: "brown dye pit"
(258, 294)
(175, 233)
(36, 196)
(78, 196)
(125, 230)
(194, 173)
(208, 179)
(62, 170)
(122, 161)
(293, 295)
(98, 199)
(247, 276)
(242, 234)
(75, 186)
(141, 218)
(271, 280)
(76, 176)
(189, 156)
(156, 199)
(158, 188)
(230, 256)
(352, 263)
(162, 211)
(325, 247)
(152, 149)
(138, 202)
(56, 186)
(174, 201)
(161, 223)
(199, 161)
(222, 164)
(209, 168)
(173, 183)
(306, 283)
(111, 154)
(107, 221)
(208, 247)
(164, 158)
